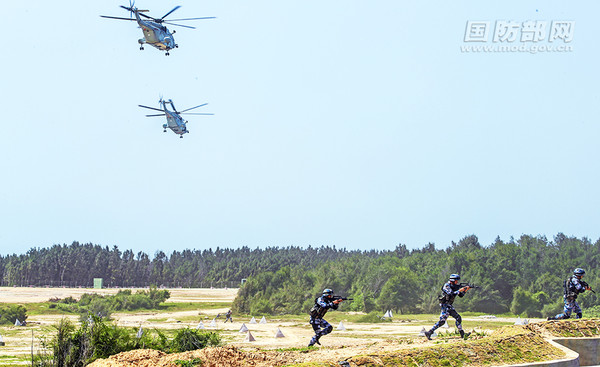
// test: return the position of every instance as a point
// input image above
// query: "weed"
(189, 363)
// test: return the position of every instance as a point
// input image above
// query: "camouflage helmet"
(328, 292)
(579, 272)
(454, 277)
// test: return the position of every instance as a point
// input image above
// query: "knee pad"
(441, 322)
(328, 329)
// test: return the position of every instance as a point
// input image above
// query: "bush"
(189, 339)
(9, 314)
(96, 339)
(373, 317)
(261, 307)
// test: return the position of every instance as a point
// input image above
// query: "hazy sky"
(349, 123)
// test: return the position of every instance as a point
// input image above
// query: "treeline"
(78, 264)
(523, 276)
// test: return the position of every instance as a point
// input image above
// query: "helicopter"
(174, 120)
(155, 33)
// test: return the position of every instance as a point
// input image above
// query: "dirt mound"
(210, 357)
(568, 328)
(509, 344)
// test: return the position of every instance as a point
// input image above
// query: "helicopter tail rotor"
(131, 8)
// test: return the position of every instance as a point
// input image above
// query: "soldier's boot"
(463, 334)
(312, 341)
(551, 318)
(317, 339)
(428, 334)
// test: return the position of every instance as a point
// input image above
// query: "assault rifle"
(472, 286)
(587, 286)
(342, 298)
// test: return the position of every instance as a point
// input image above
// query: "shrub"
(9, 314)
(373, 317)
(189, 339)
(96, 339)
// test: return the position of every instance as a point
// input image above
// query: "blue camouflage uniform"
(449, 292)
(573, 287)
(319, 325)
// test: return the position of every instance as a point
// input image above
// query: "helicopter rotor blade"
(180, 25)
(172, 10)
(200, 105)
(151, 108)
(162, 114)
(179, 20)
(196, 113)
(106, 16)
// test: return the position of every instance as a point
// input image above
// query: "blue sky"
(348, 123)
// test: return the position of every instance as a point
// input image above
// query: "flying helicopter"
(174, 120)
(155, 33)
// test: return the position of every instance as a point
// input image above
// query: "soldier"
(322, 305)
(449, 291)
(228, 316)
(572, 287)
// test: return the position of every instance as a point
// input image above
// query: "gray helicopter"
(155, 33)
(174, 120)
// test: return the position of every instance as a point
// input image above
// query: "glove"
(464, 289)
(337, 301)
(588, 288)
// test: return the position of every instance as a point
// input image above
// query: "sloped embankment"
(508, 345)
(570, 328)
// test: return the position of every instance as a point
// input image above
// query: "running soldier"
(449, 291)
(318, 311)
(572, 288)
(228, 316)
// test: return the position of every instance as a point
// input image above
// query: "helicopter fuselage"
(174, 121)
(155, 34)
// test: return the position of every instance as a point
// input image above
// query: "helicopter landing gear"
(176, 46)
(167, 53)
(181, 136)
(164, 131)
(142, 48)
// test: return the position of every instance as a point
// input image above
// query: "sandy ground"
(33, 295)
(296, 334)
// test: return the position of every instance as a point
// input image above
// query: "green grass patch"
(508, 345)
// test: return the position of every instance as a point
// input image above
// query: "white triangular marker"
(249, 337)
